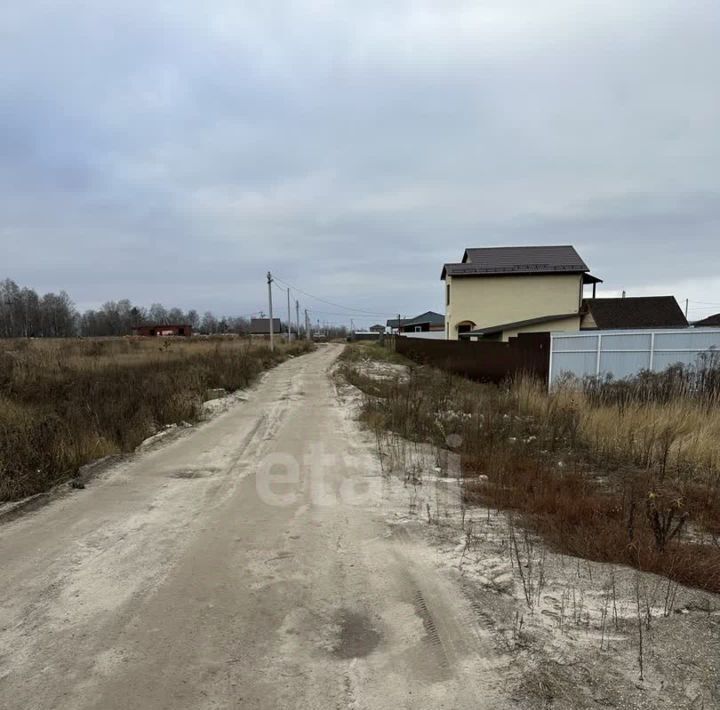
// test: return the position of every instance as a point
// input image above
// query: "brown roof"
(261, 326)
(710, 321)
(493, 261)
(640, 312)
(429, 317)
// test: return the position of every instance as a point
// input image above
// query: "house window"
(418, 329)
(447, 295)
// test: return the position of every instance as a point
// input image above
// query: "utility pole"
(307, 325)
(687, 303)
(297, 317)
(270, 281)
(289, 319)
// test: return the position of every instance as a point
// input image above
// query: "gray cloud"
(170, 152)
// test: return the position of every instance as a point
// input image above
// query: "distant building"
(425, 322)
(162, 331)
(709, 322)
(629, 313)
(261, 326)
(377, 328)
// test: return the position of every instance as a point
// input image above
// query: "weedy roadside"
(593, 575)
(632, 480)
(67, 402)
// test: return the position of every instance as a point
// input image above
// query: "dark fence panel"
(365, 336)
(483, 360)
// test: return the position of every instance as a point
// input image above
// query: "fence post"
(550, 362)
(652, 350)
(599, 350)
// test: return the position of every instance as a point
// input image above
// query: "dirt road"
(247, 564)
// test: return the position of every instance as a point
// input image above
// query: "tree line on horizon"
(26, 314)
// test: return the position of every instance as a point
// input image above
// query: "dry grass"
(628, 480)
(64, 403)
(678, 438)
(364, 350)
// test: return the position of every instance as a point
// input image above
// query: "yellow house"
(496, 293)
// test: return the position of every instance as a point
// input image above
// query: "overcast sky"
(175, 151)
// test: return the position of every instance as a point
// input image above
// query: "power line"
(703, 308)
(335, 313)
(705, 303)
(330, 303)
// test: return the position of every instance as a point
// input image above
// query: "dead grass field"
(66, 402)
(627, 474)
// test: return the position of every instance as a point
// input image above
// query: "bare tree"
(193, 319)
(158, 314)
(209, 323)
(25, 314)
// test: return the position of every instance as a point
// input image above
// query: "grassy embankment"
(625, 472)
(64, 403)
